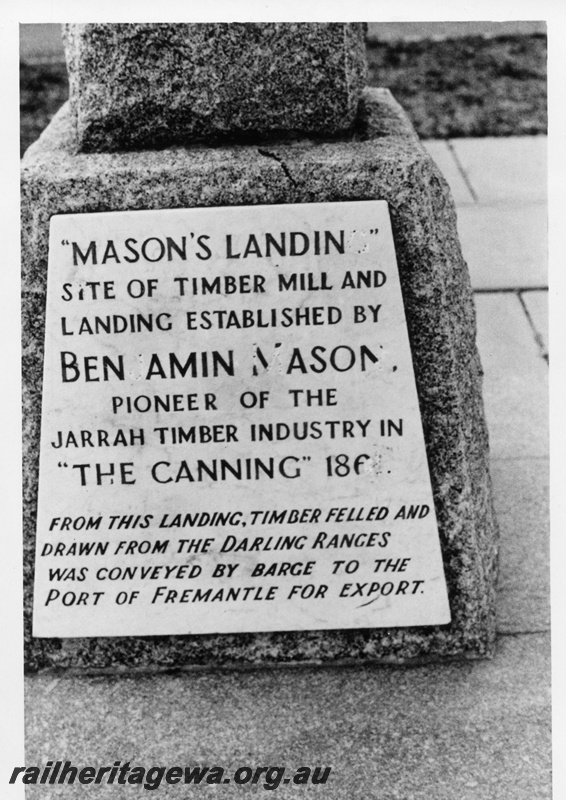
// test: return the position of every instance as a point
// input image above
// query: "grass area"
(43, 90)
(472, 86)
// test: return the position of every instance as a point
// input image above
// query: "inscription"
(231, 438)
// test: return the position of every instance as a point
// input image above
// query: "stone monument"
(254, 430)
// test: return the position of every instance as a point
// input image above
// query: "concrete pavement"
(474, 731)
(452, 732)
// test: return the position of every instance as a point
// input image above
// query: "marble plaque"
(231, 438)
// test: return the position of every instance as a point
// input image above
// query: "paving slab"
(537, 307)
(505, 245)
(521, 488)
(444, 158)
(515, 378)
(507, 168)
(474, 731)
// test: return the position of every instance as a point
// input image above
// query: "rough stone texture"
(388, 163)
(145, 85)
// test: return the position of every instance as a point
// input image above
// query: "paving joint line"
(510, 289)
(462, 171)
(538, 338)
(509, 203)
(495, 459)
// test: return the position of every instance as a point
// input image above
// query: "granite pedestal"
(381, 159)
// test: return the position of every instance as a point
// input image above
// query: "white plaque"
(231, 438)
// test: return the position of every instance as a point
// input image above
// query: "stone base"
(383, 159)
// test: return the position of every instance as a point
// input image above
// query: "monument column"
(254, 426)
